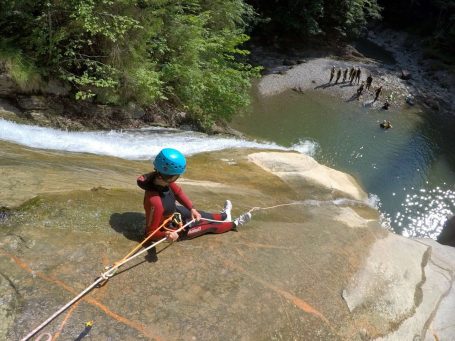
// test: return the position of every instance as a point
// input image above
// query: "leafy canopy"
(184, 51)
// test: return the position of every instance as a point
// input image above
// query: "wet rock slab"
(280, 277)
(207, 288)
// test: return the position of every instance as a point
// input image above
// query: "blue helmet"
(170, 161)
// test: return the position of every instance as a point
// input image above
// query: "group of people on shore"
(355, 78)
(354, 75)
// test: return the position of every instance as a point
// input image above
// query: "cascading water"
(132, 144)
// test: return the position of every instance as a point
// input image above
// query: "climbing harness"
(109, 273)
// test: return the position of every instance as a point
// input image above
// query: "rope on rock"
(275, 206)
(111, 270)
(48, 335)
(103, 277)
(135, 249)
(260, 209)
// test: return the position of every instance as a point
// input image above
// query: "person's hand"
(195, 214)
(172, 236)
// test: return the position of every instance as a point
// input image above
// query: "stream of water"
(131, 144)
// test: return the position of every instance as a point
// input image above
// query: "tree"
(184, 51)
(307, 19)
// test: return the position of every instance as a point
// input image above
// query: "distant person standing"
(378, 92)
(338, 76)
(357, 75)
(360, 90)
(345, 74)
(332, 73)
(352, 75)
(369, 80)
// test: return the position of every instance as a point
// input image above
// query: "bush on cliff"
(184, 51)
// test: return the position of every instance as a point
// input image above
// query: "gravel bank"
(433, 89)
(314, 74)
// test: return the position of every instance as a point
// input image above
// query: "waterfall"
(137, 144)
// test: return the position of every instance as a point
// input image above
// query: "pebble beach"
(306, 74)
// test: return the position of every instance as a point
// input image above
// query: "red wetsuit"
(160, 203)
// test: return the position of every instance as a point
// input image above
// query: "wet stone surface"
(279, 277)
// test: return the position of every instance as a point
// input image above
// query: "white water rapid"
(132, 144)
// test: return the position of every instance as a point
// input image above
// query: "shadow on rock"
(130, 224)
(447, 236)
(324, 86)
(353, 98)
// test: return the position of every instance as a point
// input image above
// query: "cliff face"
(313, 264)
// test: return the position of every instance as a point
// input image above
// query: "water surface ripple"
(409, 168)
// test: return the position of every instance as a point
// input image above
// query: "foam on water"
(306, 147)
(384, 218)
(132, 144)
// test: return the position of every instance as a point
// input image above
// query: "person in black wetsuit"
(378, 92)
(332, 73)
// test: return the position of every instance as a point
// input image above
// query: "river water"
(410, 168)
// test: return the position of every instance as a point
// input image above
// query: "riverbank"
(424, 84)
(298, 70)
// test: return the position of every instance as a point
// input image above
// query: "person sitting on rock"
(161, 194)
(386, 105)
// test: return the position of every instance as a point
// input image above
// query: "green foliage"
(330, 19)
(185, 51)
(201, 64)
(21, 70)
(433, 19)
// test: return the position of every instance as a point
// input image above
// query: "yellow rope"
(137, 247)
(270, 207)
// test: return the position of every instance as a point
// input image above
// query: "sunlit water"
(409, 168)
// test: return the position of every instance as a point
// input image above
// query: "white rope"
(103, 277)
(280, 205)
(256, 209)
(48, 335)
(111, 270)
(216, 221)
